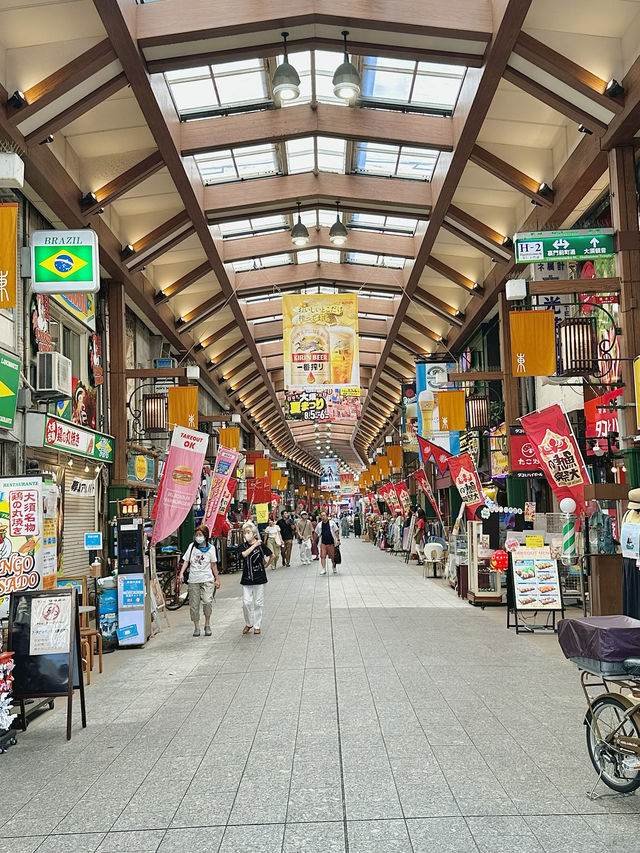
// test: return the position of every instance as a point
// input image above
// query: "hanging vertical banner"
(347, 485)
(467, 482)
(367, 504)
(230, 437)
(451, 410)
(373, 501)
(390, 497)
(320, 340)
(423, 483)
(8, 254)
(180, 481)
(183, 406)
(498, 451)
(409, 417)
(431, 379)
(550, 433)
(221, 515)
(222, 470)
(533, 343)
(402, 493)
(330, 477)
(440, 456)
(601, 418)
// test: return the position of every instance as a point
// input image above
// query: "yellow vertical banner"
(8, 254)
(451, 410)
(383, 465)
(229, 437)
(533, 343)
(263, 467)
(284, 482)
(636, 387)
(183, 406)
(275, 479)
(262, 513)
(394, 453)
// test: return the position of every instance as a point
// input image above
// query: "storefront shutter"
(79, 518)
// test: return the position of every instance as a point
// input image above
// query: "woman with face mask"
(256, 557)
(202, 561)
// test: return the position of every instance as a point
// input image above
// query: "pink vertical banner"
(221, 516)
(225, 463)
(180, 480)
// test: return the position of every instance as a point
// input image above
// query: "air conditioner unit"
(54, 374)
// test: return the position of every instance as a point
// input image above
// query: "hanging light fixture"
(346, 80)
(299, 232)
(578, 347)
(286, 80)
(478, 411)
(338, 233)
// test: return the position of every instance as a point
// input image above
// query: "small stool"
(89, 634)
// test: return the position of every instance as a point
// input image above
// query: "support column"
(117, 379)
(516, 492)
(624, 212)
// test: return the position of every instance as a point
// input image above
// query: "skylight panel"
(198, 94)
(436, 91)
(307, 256)
(332, 256)
(416, 163)
(241, 88)
(216, 167)
(300, 155)
(331, 154)
(256, 160)
(257, 225)
(276, 260)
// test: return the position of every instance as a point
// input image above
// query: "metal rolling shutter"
(79, 518)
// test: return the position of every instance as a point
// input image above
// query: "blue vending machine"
(134, 615)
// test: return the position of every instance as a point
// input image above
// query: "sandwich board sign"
(65, 261)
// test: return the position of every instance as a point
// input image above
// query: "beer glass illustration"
(342, 342)
(426, 405)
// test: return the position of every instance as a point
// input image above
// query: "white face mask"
(199, 539)
(248, 537)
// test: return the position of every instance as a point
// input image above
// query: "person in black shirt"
(287, 530)
(256, 557)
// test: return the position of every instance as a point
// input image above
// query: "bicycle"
(176, 594)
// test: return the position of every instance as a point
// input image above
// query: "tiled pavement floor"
(376, 713)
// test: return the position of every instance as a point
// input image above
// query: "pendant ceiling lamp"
(286, 80)
(338, 233)
(299, 232)
(346, 80)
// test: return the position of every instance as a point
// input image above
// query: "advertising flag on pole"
(222, 470)
(423, 483)
(533, 343)
(402, 493)
(373, 501)
(183, 406)
(8, 254)
(431, 379)
(440, 456)
(549, 431)
(221, 515)
(467, 482)
(180, 480)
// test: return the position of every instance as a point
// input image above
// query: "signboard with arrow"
(587, 244)
(9, 383)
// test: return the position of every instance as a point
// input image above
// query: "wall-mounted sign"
(40, 317)
(141, 470)
(48, 431)
(93, 541)
(8, 256)
(65, 261)
(585, 244)
(9, 382)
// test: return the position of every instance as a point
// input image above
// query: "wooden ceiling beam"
(63, 80)
(438, 306)
(410, 345)
(201, 313)
(478, 245)
(162, 249)
(410, 368)
(274, 277)
(236, 371)
(216, 336)
(296, 122)
(511, 176)
(494, 241)
(424, 331)
(181, 284)
(126, 181)
(366, 305)
(569, 109)
(472, 288)
(228, 354)
(155, 237)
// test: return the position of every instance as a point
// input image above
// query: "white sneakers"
(323, 571)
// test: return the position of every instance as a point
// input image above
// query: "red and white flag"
(467, 482)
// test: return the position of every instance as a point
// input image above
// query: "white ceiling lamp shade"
(299, 232)
(346, 80)
(338, 233)
(286, 80)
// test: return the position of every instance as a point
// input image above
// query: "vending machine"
(134, 612)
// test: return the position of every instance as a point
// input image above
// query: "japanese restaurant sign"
(466, 480)
(549, 431)
(524, 461)
(601, 418)
(63, 435)
(402, 493)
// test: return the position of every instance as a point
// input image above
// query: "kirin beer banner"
(467, 482)
(180, 481)
(222, 471)
(440, 456)
(423, 483)
(550, 433)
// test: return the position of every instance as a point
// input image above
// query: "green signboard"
(9, 382)
(80, 441)
(65, 261)
(587, 244)
(141, 470)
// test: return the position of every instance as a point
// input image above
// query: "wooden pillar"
(509, 381)
(624, 212)
(118, 379)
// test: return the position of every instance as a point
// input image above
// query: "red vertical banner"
(601, 418)
(402, 493)
(221, 515)
(550, 433)
(429, 450)
(423, 483)
(373, 502)
(467, 482)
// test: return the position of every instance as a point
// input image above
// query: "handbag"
(185, 577)
(337, 556)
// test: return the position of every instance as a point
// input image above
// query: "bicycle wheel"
(607, 758)
(174, 598)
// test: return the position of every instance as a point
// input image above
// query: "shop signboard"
(58, 434)
(9, 382)
(50, 632)
(498, 451)
(141, 470)
(431, 379)
(65, 261)
(93, 541)
(347, 485)
(524, 461)
(601, 418)
(409, 417)
(535, 579)
(466, 480)
(8, 254)
(320, 340)
(330, 477)
(28, 540)
(584, 244)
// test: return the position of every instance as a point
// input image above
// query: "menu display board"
(536, 581)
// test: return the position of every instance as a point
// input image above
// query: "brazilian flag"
(60, 264)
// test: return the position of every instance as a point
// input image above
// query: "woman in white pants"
(255, 559)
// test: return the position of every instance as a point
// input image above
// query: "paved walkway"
(376, 713)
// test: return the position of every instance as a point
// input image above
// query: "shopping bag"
(337, 555)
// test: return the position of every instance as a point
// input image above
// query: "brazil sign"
(65, 262)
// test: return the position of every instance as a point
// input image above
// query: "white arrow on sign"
(594, 242)
(561, 244)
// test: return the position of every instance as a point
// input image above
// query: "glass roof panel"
(420, 84)
(331, 154)
(216, 167)
(242, 88)
(416, 163)
(256, 160)
(194, 94)
(307, 256)
(251, 161)
(395, 161)
(300, 155)
(276, 260)
(332, 256)
(257, 225)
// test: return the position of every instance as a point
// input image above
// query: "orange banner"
(275, 479)
(383, 465)
(451, 410)
(263, 468)
(533, 343)
(229, 437)
(183, 406)
(394, 452)
(8, 254)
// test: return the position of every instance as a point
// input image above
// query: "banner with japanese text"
(373, 501)
(320, 340)
(347, 485)
(402, 493)
(451, 410)
(431, 379)
(524, 461)
(533, 343)
(466, 480)
(601, 418)
(8, 254)
(222, 471)
(221, 515)
(180, 481)
(550, 433)
(322, 404)
(430, 450)
(183, 406)
(423, 483)
(391, 499)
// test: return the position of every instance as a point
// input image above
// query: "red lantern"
(499, 561)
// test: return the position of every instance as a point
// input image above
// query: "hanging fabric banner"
(533, 343)
(390, 497)
(221, 515)
(440, 456)
(549, 431)
(402, 493)
(423, 483)
(467, 482)
(8, 254)
(431, 379)
(601, 418)
(183, 406)
(373, 502)
(230, 437)
(222, 471)
(180, 481)
(451, 410)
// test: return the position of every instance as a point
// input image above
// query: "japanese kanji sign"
(586, 244)
(533, 343)
(8, 254)
(466, 480)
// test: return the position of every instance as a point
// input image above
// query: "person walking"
(345, 525)
(304, 531)
(202, 561)
(420, 534)
(357, 526)
(256, 558)
(273, 540)
(328, 532)
(315, 539)
(287, 530)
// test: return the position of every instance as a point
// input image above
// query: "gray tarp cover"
(604, 638)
